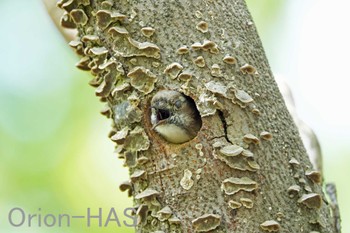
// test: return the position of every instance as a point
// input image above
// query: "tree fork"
(247, 169)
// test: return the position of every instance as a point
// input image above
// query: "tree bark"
(247, 169)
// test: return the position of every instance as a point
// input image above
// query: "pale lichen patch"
(67, 5)
(196, 46)
(246, 202)
(250, 138)
(294, 161)
(174, 220)
(243, 96)
(253, 165)
(147, 49)
(236, 157)
(60, 3)
(199, 147)
(155, 64)
(217, 88)
(248, 69)
(256, 112)
(134, 100)
(321, 222)
(302, 180)
(183, 50)
(200, 62)
(120, 89)
(120, 136)
(106, 5)
(105, 18)
(198, 14)
(79, 17)
(315, 176)
(207, 104)
(247, 153)
(229, 59)
(126, 186)
(98, 51)
(147, 194)
(233, 185)
(185, 76)
(125, 113)
(173, 70)
(311, 200)
(308, 189)
(90, 39)
(137, 175)
(207, 222)
(110, 64)
(137, 140)
(142, 79)
(270, 226)
(106, 111)
(147, 31)
(266, 135)
(210, 46)
(214, 50)
(202, 26)
(118, 31)
(95, 82)
(234, 204)
(104, 89)
(77, 45)
(142, 160)
(83, 64)
(142, 213)
(67, 21)
(231, 150)
(186, 181)
(215, 71)
(164, 213)
(240, 163)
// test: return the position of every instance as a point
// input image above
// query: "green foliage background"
(54, 150)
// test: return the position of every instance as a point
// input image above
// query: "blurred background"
(55, 156)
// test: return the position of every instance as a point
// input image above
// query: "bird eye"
(178, 104)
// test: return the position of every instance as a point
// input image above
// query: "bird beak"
(160, 116)
(161, 122)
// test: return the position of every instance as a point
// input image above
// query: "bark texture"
(247, 169)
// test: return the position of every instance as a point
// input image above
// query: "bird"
(175, 116)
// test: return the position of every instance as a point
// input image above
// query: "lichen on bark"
(210, 51)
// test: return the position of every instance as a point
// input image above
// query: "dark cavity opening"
(162, 114)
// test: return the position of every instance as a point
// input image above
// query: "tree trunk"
(247, 169)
